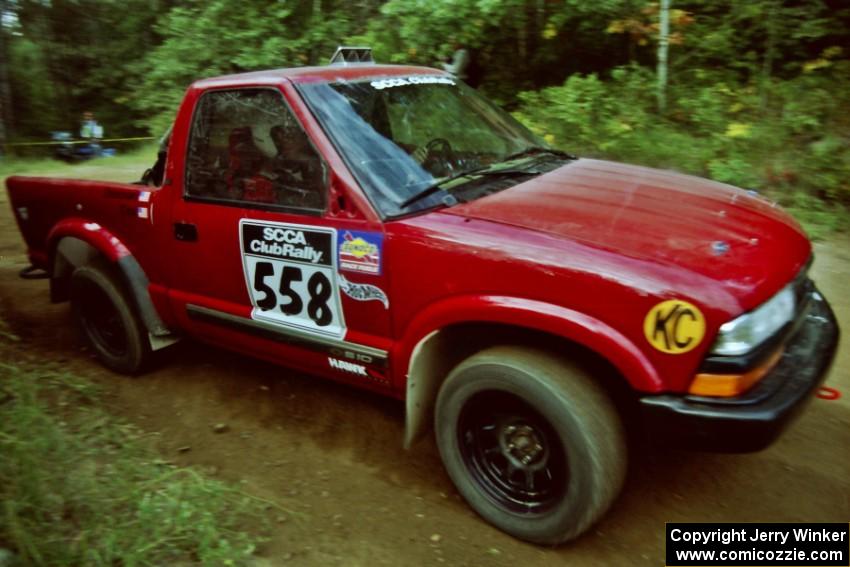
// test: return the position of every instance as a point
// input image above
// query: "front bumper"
(753, 420)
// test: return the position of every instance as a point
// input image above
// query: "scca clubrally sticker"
(674, 326)
(290, 272)
(360, 251)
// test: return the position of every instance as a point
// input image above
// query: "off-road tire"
(568, 415)
(107, 319)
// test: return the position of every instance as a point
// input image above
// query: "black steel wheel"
(107, 319)
(531, 442)
(513, 452)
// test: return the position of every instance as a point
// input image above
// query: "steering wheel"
(440, 158)
(439, 146)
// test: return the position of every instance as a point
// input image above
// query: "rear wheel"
(108, 320)
(531, 442)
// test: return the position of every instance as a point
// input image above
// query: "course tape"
(17, 144)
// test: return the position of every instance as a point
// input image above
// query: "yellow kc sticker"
(674, 326)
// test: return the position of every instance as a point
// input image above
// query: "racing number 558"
(318, 288)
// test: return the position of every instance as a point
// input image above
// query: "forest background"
(756, 92)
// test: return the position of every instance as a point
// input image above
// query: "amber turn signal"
(729, 385)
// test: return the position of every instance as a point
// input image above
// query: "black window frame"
(254, 205)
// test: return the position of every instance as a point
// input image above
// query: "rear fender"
(77, 242)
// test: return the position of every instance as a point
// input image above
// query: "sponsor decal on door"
(360, 251)
(291, 275)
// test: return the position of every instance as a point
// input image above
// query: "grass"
(79, 487)
(123, 167)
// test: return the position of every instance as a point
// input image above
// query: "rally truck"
(387, 227)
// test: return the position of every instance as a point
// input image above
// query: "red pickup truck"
(388, 227)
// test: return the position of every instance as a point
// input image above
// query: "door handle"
(186, 232)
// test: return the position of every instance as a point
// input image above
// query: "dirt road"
(334, 456)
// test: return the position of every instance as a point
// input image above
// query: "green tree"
(5, 88)
(203, 39)
(68, 56)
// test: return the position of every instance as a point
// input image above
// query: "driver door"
(259, 260)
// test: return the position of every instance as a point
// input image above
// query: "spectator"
(89, 128)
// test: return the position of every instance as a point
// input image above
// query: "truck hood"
(718, 231)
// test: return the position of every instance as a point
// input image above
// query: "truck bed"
(40, 204)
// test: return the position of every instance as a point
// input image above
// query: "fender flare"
(424, 374)
(102, 241)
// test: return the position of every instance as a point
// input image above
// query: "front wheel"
(531, 442)
(108, 320)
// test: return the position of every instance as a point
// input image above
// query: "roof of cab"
(325, 73)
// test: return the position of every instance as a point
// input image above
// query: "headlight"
(741, 335)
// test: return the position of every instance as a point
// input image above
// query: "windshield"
(402, 135)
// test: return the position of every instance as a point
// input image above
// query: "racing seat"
(245, 161)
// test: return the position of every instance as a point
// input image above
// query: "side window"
(247, 146)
